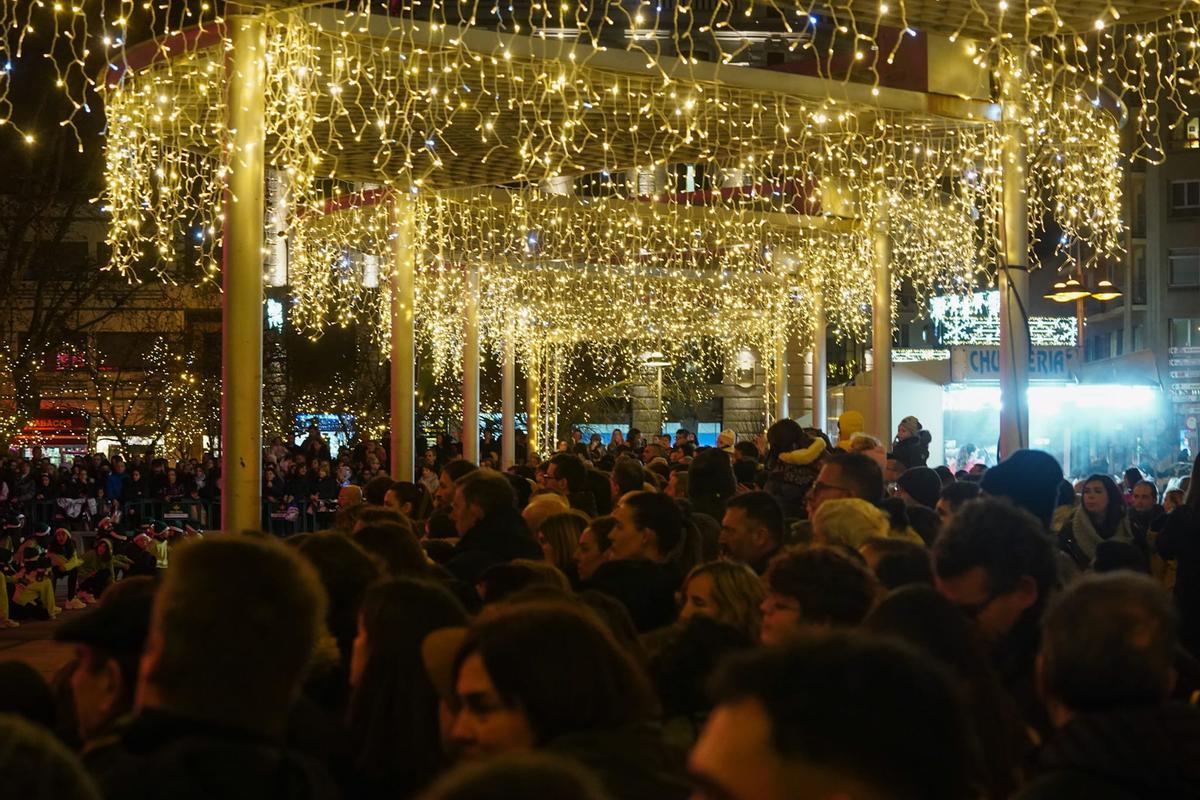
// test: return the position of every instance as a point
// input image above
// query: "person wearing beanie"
(849, 423)
(911, 447)
(919, 485)
(1029, 479)
(726, 440)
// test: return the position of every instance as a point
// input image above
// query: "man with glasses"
(842, 475)
(996, 563)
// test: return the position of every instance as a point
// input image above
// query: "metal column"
(881, 328)
(470, 360)
(1014, 278)
(403, 365)
(508, 406)
(820, 359)
(781, 381)
(242, 278)
(533, 402)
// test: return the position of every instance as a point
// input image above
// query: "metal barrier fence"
(278, 518)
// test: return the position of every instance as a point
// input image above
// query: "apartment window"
(1184, 333)
(1192, 141)
(1139, 338)
(1138, 203)
(1139, 275)
(1185, 196)
(1184, 269)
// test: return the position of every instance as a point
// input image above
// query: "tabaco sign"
(971, 364)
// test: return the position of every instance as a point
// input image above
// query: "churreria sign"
(969, 364)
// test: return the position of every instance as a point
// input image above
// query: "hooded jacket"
(1129, 754)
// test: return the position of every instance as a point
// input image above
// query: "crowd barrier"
(278, 518)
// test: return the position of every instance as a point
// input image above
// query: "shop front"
(1089, 422)
(58, 434)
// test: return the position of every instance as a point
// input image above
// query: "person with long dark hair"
(1180, 541)
(1101, 517)
(581, 696)
(392, 716)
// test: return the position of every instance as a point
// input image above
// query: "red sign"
(55, 427)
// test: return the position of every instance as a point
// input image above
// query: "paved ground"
(33, 643)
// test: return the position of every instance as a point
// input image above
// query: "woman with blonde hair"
(558, 537)
(726, 591)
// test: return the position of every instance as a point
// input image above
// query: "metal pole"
(533, 402)
(403, 366)
(662, 417)
(470, 356)
(508, 406)
(1014, 278)
(781, 381)
(881, 328)
(242, 342)
(819, 359)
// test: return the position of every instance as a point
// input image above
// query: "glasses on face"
(821, 486)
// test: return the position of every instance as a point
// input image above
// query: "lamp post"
(657, 361)
(1074, 291)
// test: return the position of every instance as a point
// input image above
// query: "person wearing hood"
(1101, 517)
(490, 529)
(1116, 734)
(911, 446)
(849, 423)
(793, 463)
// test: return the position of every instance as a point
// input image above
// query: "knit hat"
(727, 438)
(911, 424)
(1029, 478)
(849, 521)
(922, 484)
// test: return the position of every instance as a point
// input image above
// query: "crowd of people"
(796, 616)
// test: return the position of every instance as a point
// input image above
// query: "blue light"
(813, 19)
(431, 144)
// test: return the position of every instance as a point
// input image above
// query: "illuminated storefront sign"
(969, 364)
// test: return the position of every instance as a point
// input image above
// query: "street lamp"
(656, 360)
(1073, 290)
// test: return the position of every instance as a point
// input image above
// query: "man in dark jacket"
(491, 530)
(218, 676)
(566, 474)
(996, 562)
(1105, 671)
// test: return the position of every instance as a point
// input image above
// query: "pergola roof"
(746, 110)
(983, 18)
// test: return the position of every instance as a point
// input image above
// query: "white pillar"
(781, 381)
(533, 402)
(881, 328)
(508, 406)
(820, 360)
(242, 279)
(403, 369)
(1014, 280)
(470, 360)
